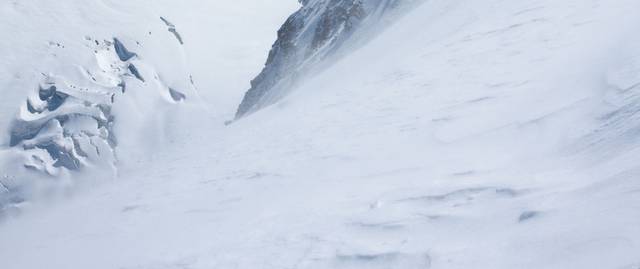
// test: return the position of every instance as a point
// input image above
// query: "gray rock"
(123, 53)
(309, 38)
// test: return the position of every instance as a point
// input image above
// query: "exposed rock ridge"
(309, 37)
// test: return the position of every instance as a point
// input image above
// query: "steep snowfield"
(469, 134)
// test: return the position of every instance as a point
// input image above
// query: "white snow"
(469, 134)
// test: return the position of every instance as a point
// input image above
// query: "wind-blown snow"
(469, 134)
(314, 37)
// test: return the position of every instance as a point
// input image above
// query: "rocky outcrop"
(309, 38)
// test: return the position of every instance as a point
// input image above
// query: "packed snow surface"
(465, 134)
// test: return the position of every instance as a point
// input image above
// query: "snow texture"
(461, 134)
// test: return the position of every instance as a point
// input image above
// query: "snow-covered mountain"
(434, 134)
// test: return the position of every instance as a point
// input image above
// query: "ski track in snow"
(470, 134)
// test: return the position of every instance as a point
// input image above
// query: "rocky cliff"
(311, 38)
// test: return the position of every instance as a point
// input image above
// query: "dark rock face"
(307, 39)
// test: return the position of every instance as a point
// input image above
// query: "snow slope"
(484, 134)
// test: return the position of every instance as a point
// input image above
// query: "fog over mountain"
(319, 134)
